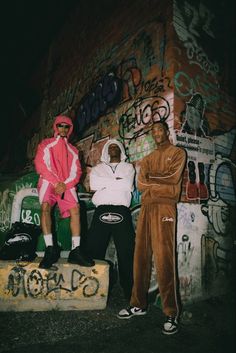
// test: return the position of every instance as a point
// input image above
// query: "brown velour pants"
(155, 235)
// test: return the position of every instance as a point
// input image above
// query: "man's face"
(63, 129)
(159, 133)
(114, 151)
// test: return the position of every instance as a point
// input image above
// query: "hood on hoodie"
(105, 156)
(62, 119)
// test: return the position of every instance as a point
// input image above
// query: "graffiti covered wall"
(152, 61)
(205, 127)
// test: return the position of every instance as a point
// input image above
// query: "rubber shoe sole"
(126, 314)
(176, 330)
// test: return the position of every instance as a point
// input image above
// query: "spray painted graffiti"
(185, 287)
(196, 189)
(144, 40)
(9, 197)
(217, 209)
(27, 216)
(186, 218)
(187, 22)
(186, 85)
(5, 210)
(142, 99)
(37, 283)
(216, 262)
(142, 113)
(185, 251)
(221, 186)
(17, 202)
(131, 77)
(191, 224)
(156, 85)
(195, 123)
(95, 104)
(133, 83)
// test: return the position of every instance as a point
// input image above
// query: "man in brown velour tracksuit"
(159, 181)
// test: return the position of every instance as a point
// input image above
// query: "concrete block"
(25, 287)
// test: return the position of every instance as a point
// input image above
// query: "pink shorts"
(47, 194)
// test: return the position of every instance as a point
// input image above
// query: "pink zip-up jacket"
(57, 160)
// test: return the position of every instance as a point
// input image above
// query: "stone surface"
(25, 287)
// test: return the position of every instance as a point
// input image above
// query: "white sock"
(75, 241)
(48, 239)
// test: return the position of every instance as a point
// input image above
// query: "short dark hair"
(166, 126)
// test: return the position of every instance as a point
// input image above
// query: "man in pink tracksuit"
(57, 163)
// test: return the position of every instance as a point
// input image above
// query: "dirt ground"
(206, 327)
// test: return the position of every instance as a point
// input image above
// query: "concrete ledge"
(25, 287)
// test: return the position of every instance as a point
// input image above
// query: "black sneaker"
(130, 312)
(77, 257)
(51, 255)
(170, 326)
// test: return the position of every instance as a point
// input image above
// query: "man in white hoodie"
(112, 180)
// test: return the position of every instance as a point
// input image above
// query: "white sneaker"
(130, 312)
(170, 326)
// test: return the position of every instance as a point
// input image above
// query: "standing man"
(59, 168)
(112, 180)
(160, 183)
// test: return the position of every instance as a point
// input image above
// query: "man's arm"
(143, 182)
(117, 181)
(125, 181)
(97, 181)
(75, 170)
(42, 165)
(170, 177)
(173, 175)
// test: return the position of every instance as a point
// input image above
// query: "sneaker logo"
(136, 310)
(167, 219)
(111, 218)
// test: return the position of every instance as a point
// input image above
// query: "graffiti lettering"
(188, 33)
(156, 86)
(37, 284)
(28, 217)
(91, 283)
(106, 93)
(144, 111)
(34, 283)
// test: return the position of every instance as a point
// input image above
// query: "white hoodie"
(109, 190)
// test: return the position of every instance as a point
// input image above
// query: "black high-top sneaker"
(77, 257)
(51, 255)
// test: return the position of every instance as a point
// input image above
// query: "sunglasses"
(63, 125)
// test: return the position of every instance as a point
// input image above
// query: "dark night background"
(27, 29)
